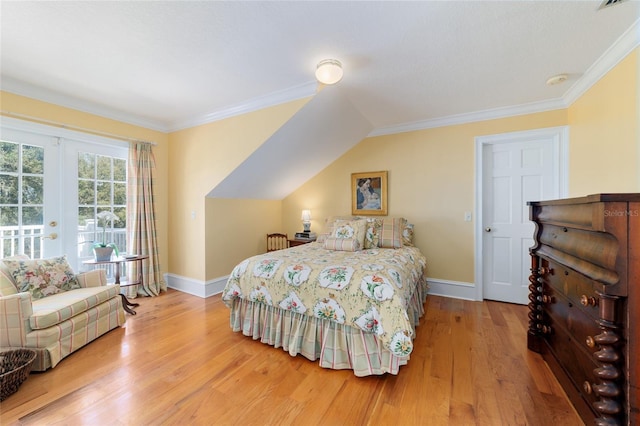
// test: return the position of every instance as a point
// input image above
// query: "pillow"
(391, 233)
(348, 230)
(329, 227)
(7, 287)
(372, 232)
(341, 244)
(43, 277)
(407, 234)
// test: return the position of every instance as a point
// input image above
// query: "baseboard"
(454, 289)
(204, 289)
(198, 288)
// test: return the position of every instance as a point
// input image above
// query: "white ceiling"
(173, 64)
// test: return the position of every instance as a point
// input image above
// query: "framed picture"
(369, 193)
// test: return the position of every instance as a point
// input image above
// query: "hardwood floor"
(177, 362)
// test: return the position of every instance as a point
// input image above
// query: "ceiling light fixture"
(557, 79)
(329, 71)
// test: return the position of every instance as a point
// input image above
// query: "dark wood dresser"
(584, 302)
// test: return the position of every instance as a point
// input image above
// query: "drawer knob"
(544, 329)
(588, 301)
(591, 342)
(543, 270)
(587, 387)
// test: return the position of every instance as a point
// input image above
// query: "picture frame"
(369, 193)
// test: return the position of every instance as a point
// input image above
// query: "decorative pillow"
(350, 229)
(7, 287)
(407, 234)
(372, 232)
(329, 226)
(391, 233)
(43, 277)
(341, 244)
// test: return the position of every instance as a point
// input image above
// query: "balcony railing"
(10, 241)
(33, 243)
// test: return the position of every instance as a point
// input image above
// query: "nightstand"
(296, 242)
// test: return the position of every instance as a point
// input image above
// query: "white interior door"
(517, 168)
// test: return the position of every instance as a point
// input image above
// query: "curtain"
(141, 222)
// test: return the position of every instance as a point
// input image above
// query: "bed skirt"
(336, 346)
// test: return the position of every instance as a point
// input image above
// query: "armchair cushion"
(58, 308)
(43, 277)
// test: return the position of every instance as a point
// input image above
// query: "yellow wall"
(605, 133)
(201, 157)
(430, 182)
(42, 110)
(236, 229)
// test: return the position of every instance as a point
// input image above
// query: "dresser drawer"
(577, 364)
(580, 290)
(572, 318)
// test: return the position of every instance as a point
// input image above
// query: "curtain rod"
(76, 128)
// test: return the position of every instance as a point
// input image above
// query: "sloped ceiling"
(325, 128)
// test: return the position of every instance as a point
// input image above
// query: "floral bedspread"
(368, 289)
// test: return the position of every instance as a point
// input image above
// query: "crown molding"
(255, 104)
(21, 88)
(489, 114)
(619, 50)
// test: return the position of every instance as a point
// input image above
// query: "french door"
(53, 184)
(29, 203)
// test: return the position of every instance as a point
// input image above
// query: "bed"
(351, 300)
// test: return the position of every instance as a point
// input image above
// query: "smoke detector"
(557, 79)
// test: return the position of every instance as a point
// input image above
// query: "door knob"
(487, 229)
(52, 236)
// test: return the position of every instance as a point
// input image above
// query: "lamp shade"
(306, 215)
(329, 71)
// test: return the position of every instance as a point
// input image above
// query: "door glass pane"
(9, 157)
(9, 230)
(32, 216)
(8, 189)
(86, 165)
(86, 193)
(119, 169)
(104, 193)
(104, 167)
(32, 190)
(119, 193)
(32, 159)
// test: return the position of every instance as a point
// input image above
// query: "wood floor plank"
(177, 362)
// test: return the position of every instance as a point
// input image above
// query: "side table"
(298, 242)
(117, 261)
